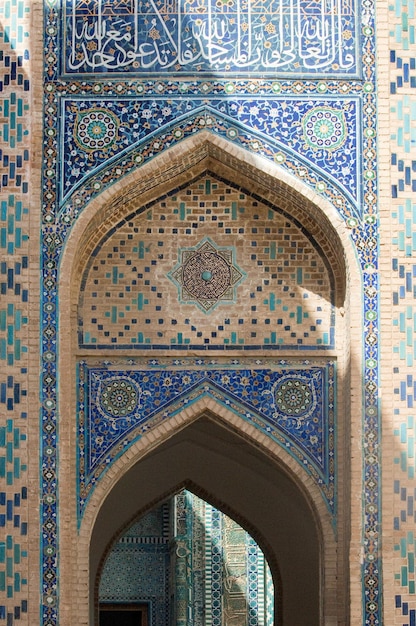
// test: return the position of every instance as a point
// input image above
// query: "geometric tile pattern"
(206, 275)
(403, 245)
(126, 578)
(13, 320)
(294, 403)
(183, 563)
(129, 294)
(143, 548)
(221, 563)
(213, 102)
(15, 412)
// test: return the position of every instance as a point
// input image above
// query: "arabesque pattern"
(275, 116)
(293, 402)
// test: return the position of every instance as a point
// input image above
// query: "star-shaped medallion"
(206, 275)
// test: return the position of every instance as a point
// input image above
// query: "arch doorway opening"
(185, 562)
(231, 474)
(123, 614)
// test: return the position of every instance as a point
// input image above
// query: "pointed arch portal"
(222, 467)
(256, 426)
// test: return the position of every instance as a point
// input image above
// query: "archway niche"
(227, 470)
(238, 468)
(185, 561)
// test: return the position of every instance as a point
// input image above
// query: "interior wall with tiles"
(203, 564)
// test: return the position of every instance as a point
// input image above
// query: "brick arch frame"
(176, 166)
(240, 434)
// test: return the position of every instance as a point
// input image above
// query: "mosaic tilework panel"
(403, 69)
(182, 565)
(98, 132)
(403, 165)
(403, 319)
(144, 547)
(403, 176)
(198, 512)
(223, 566)
(359, 213)
(293, 402)
(154, 527)
(206, 37)
(146, 285)
(402, 57)
(125, 578)
(14, 188)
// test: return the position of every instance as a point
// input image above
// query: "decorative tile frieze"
(84, 69)
(294, 402)
(207, 37)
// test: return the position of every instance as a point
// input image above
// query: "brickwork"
(285, 297)
(261, 138)
(19, 296)
(399, 329)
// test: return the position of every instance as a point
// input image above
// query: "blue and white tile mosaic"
(103, 135)
(228, 87)
(202, 37)
(125, 578)
(293, 402)
(403, 245)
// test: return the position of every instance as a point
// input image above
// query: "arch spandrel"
(285, 400)
(293, 142)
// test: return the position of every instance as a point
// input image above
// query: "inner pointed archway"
(182, 562)
(230, 472)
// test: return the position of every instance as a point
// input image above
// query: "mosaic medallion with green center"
(96, 129)
(118, 397)
(324, 128)
(206, 275)
(293, 397)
